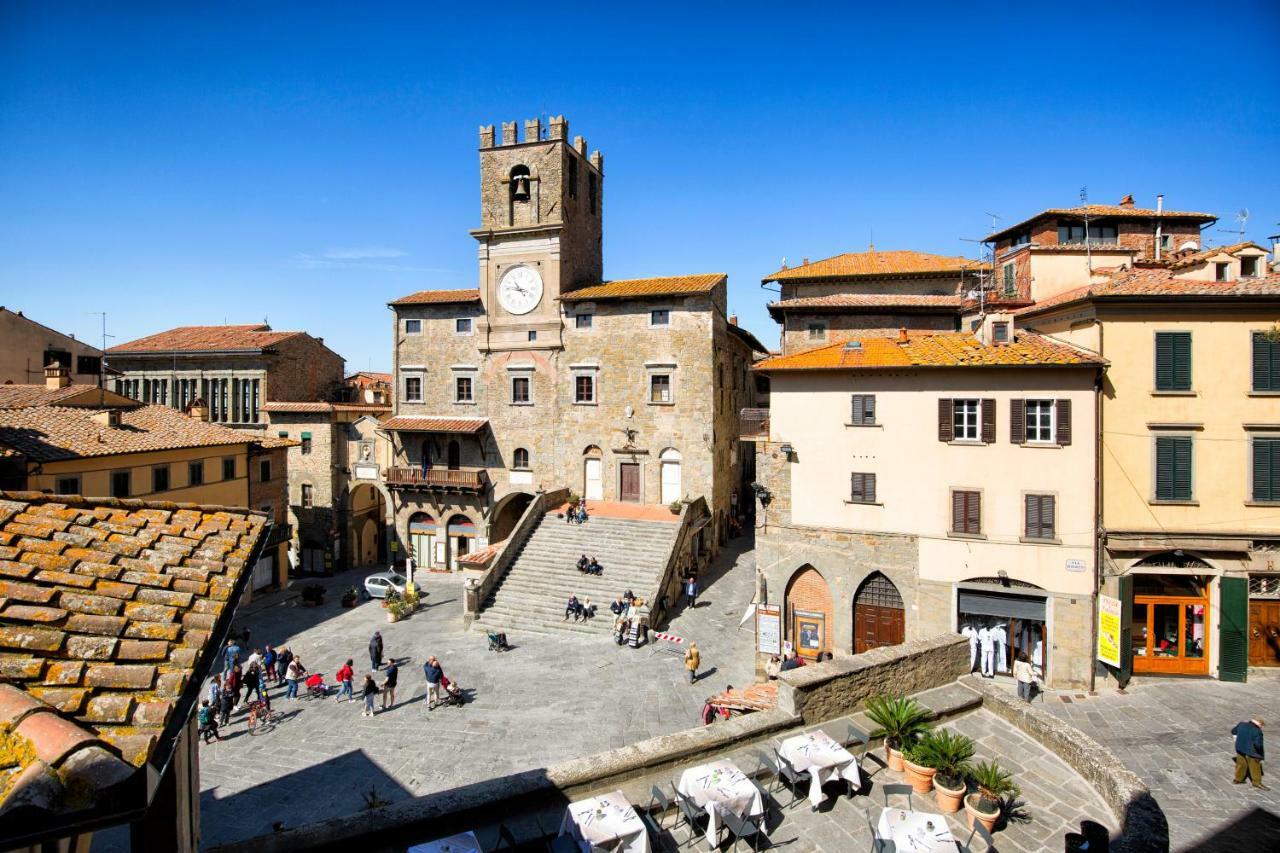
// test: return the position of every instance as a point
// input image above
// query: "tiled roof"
(365, 376)
(110, 611)
(322, 407)
(1197, 258)
(434, 297)
(869, 302)
(48, 433)
(875, 264)
(676, 285)
(950, 349)
(247, 338)
(424, 423)
(275, 441)
(1104, 210)
(21, 396)
(1160, 284)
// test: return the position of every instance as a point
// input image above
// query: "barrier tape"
(670, 638)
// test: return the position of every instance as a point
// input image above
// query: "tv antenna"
(1242, 219)
(102, 361)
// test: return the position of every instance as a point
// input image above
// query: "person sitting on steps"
(594, 567)
(573, 608)
(618, 607)
(583, 562)
(588, 609)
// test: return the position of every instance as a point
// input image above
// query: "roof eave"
(1152, 298)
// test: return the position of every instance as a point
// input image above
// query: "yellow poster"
(1109, 630)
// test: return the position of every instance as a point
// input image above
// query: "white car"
(378, 583)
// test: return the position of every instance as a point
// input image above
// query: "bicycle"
(262, 718)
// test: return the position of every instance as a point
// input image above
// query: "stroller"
(498, 642)
(452, 694)
(316, 688)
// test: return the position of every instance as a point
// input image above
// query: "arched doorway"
(670, 461)
(593, 474)
(1170, 614)
(808, 605)
(879, 619)
(462, 534)
(506, 514)
(368, 526)
(422, 541)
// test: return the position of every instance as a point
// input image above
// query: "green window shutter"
(1164, 469)
(1266, 469)
(1173, 361)
(306, 435)
(1182, 469)
(1173, 468)
(1233, 639)
(1266, 363)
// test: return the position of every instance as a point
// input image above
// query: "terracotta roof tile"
(951, 349)
(1104, 210)
(1197, 258)
(48, 433)
(21, 396)
(438, 297)
(874, 264)
(425, 423)
(246, 338)
(676, 285)
(319, 407)
(1152, 284)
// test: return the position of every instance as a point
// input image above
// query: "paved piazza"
(552, 698)
(1175, 734)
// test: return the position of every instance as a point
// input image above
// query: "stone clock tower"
(540, 209)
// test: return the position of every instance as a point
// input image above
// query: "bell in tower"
(520, 183)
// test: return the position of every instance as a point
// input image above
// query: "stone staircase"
(532, 595)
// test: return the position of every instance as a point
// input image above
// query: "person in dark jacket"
(433, 671)
(1249, 752)
(283, 659)
(375, 650)
(369, 692)
(225, 703)
(392, 675)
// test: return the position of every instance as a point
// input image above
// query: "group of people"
(241, 681)
(590, 566)
(576, 512)
(583, 610)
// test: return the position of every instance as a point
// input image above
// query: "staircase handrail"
(478, 589)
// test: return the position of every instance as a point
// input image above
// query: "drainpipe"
(1159, 222)
(1097, 520)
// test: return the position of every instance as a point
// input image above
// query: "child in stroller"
(453, 694)
(316, 688)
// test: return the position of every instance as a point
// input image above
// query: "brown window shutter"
(855, 487)
(869, 487)
(1048, 511)
(1018, 421)
(946, 420)
(1064, 422)
(957, 512)
(988, 421)
(973, 513)
(1032, 526)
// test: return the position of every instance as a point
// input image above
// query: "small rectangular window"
(1000, 333)
(120, 485)
(413, 327)
(306, 444)
(966, 512)
(817, 331)
(307, 500)
(660, 388)
(520, 389)
(593, 191)
(60, 357)
(1166, 242)
(1265, 362)
(67, 486)
(1222, 271)
(862, 488)
(965, 420)
(584, 389)
(462, 389)
(195, 473)
(1040, 517)
(1010, 280)
(264, 470)
(660, 317)
(462, 326)
(1248, 267)
(1266, 469)
(1173, 361)
(160, 478)
(1173, 468)
(228, 468)
(572, 177)
(533, 334)
(284, 433)
(864, 410)
(413, 389)
(582, 321)
(1039, 421)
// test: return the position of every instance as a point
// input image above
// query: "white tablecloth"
(720, 786)
(910, 833)
(823, 758)
(607, 822)
(464, 843)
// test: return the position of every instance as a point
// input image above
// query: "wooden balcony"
(438, 479)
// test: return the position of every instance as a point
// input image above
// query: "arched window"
(671, 488)
(520, 459)
(519, 183)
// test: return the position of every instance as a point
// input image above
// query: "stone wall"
(312, 526)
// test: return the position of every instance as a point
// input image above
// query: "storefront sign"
(1109, 630)
(769, 629)
(1075, 565)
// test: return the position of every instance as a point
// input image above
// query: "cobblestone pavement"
(551, 698)
(1175, 734)
(1054, 800)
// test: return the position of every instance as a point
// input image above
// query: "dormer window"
(1248, 267)
(1000, 333)
(1222, 271)
(519, 183)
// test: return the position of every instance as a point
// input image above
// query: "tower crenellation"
(532, 130)
(509, 133)
(486, 136)
(559, 128)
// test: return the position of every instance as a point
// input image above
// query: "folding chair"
(896, 791)
(742, 828)
(691, 813)
(855, 735)
(791, 777)
(658, 800)
(978, 829)
(878, 844)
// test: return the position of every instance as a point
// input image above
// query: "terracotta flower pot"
(893, 757)
(972, 813)
(949, 800)
(920, 777)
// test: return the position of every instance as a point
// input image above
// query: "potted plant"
(676, 506)
(900, 721)
(395, 610)
(915, 763)
(947, 754)
(349, 597)
(313, 595)
(995, 788)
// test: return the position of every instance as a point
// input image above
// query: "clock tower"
(540, 210)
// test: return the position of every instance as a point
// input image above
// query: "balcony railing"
(753, 423)
(462, 479)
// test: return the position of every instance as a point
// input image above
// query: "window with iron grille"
(1040, 517)
(879, 591)
(1264, 586)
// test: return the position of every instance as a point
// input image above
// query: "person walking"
(345, 676)
(1249, 752)
(283, 659)
(226, 703)
(1024, 675)
(232, 683)
(391, 675)
(692, 659)
(375, 650)
(254, 659)
(292, 675)
(691, 590)
(431, 669)
(215, 691)
(208, 722)
(269, 658)
(232, 655)
(370, 690)
(253, 684)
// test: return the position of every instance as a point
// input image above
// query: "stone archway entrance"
(368, 532)
(808, 606)
(506, 514)
(879, 618)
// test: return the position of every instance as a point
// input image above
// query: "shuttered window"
(1042, 421)
(1266, 469)
(1266, 363)
(946, 424)
(1173, 361)
(1064, 422)
(862, 488)
(864, 410)
(988, 421)
(1041, 516)
(966, 512)
(1173, 468)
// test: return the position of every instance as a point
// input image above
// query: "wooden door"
(629, 482)
(594, 487)
(877, 626)
(1264, 632)
(1172, 639)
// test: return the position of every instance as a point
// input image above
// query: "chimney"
(733, 319)
(902, 335)
(1275, 248)
(486, 136)
(804, 262)
(1127, 201)
(559, 128)
(508, 133)
(56, 376)
(1159, 224)
(107, 418)
(198, 409)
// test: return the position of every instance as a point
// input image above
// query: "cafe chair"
(878, 844)
(792, 778)
(691, 814)
(742, 828)
(897, 791)
(978, 830)
(506, 841)
(855, 736)
(765, 765)
(653, 829)
(659, 801)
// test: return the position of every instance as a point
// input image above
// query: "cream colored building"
(27, 348)
(928, 483)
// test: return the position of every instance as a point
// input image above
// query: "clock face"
(520, 290)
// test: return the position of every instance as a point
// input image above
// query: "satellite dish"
(1189, 246)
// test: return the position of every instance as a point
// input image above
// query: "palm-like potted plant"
(995, 790)
(947, 754)
(900, 720)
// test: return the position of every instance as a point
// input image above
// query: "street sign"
(769, 629)
(1075, 565)
(1109, 630)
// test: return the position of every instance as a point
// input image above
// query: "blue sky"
(183, 163)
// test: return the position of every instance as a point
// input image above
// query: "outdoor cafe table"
(911, 832)
(823, 758)
(607, 822)
(719, 786)
(465, 842)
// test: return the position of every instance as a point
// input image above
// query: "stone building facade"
(546, 377)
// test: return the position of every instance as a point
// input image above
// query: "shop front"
(1169, 618)
(1004, 618)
